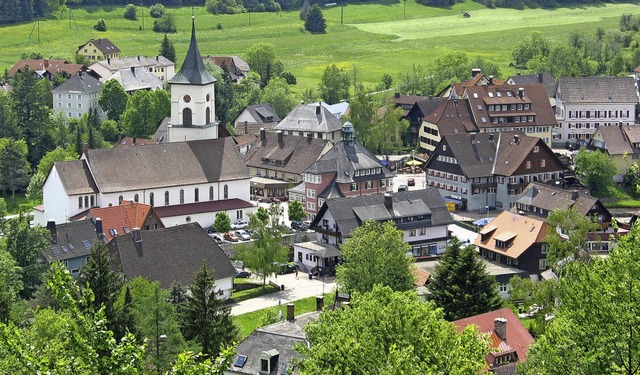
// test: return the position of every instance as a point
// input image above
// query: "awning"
(454, 200)
(384, 162)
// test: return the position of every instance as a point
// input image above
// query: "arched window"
(226, 192)
(151, 199)
(79, 202)
(210, 193)
(86, 201)
(207, 115)
(181, 196)
(136, 198)
(93, 201)
(166, 198)
(120, 199)
(208, 97)
(186, 117)
(196, 194)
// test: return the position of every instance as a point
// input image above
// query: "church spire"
(193, 71)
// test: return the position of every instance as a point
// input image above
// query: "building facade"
(99, 49)
(77, 95)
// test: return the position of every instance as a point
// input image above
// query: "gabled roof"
(452, 117)
(114, 65)
(540, 78)
(263, 113)
(134, 79)
(72, 240)
(134, 141)
(294, 155)
(237, 67)
(103, 44)
(512, 154)
(80, 83)
(616, 139)
(350, 212)
(164, 164)
(518, 338)
(520, 231)
(596, 90)
(51, 66)
(552, 198)
(310, 118)
(428, 105)
(125, 217)
(193, 71)
(169, 255)
(344, 159)
(75, 177)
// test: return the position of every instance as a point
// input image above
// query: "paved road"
(293, 291)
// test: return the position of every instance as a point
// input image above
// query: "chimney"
(80, 74)
(475, 72)
(133, 70)
(388, 201)
(491, 80)
(291, 309)
(46, 64)
(51, 227)
(246, 127)
(540, 78)
(134, 140)
(397, 95)
(137, 236)
(280, 137)
(516, 139)
(99, 231)
(500, 327)
(157, 58)
(318, 108)
(574, 195)
(138, 57)
(319, 303)
(521, 92)
(263, 135)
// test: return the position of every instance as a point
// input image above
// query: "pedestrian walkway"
(294, 289)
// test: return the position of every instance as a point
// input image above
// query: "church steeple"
(193, 71)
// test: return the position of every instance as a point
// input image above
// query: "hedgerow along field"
(375, 38)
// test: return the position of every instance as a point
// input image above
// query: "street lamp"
(159, 339)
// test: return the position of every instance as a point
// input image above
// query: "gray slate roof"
(104, 45)
(304, 118)
(135, 61)
(344, 158)
(160, 165)
(134, 79)
(294, 155)
(73, 240)
(350, 212)
(551, 198)
(169, 255)
(193, 71)
(596, 90)
(76, 177)
(263, 113)
(544, 78)
(81, 82)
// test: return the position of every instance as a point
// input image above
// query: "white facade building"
(75, 96)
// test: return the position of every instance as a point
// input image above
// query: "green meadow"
(376, 38)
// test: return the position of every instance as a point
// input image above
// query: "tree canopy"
(296, 211)
(596, 170)
(376, 254)
(314, 21)
(113, 99)
(334, 85)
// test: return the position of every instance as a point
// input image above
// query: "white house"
(160, 66)
(75, 96)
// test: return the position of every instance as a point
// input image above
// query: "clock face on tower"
(186, 98)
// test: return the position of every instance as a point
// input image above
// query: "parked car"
(411, 182)
(241, 274)
(242, 235)
(230, 237)
(210, 230)
(403, 188)
(240, 224)
(286, 268)
(216, 237)
(298, 225)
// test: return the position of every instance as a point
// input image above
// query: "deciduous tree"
(10, 284)
(296, 211)
(261, 57)
(14, 167)
(279, 96)
(461, 285)
(113, 99)
(334, 85)
(222, 222)
(387, 332)
(376, 254)
(596, 170)
(567, 236)
(34, 190)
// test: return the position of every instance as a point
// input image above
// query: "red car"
(230, 237)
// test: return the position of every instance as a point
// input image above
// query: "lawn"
(375, 37)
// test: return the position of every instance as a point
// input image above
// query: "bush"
(130, 12)
(289, 78)
(156, 10)
(219, 26)
(165, 24)
(224, 7)
(100, 25)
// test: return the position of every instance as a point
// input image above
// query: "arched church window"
(226, 192)
(166, 198)
(207, 115)
(208, 97)
(196, 194)
(181, 196)
(151, 199)
(210, 193)
(93, 201)
(187, 117)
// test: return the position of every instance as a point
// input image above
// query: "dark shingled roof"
(73, 240)
(306, 119)
(193, 71)
(551, 198)
(263, 113)
(166, 164)
(350, 212)
(169, 255)
(294, 155)
(596, 90)
(616, 139)
(201, 207)
(344, 158)
(104, 45)
(541, 78)
(452, 117)
(76, 177)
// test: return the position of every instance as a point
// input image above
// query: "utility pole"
(342, 13)
(142, 6)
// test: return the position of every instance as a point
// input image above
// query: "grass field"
(375, 38)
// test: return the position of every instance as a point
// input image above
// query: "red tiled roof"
(127, 215)
(52, 66)
(518, 338)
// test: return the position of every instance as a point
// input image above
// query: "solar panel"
(64, 249)
(54, 250)
(86, 244)
(240, 361)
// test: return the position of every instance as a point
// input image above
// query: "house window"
(354, 186)
(93, 201)
(543, 264)
(226, 192)
(311, 193)
(423, 231)
(320, 202)
(69, 96)
(187, 117)
(239, 214)
(545, 249)
(166, 198)
(135, 198)
(536, 149)
(86, 201)
(79, 202)
(181, 196)
(502, 288)
(311, 206)
(207, 115)
(543, 163)
(151, 199)
(369, 184)
(264, 365)
(412, 233)
(210, 193)
(120, 198)
(196, 195)
(528, 164)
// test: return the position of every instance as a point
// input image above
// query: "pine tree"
(460, 284)
(315, 22)
(203, 319)
(167, 50)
